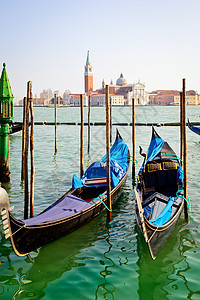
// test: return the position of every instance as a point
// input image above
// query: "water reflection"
(167, 275)
(106, 290)
(74, 251)
(54, 260)
(7, 276)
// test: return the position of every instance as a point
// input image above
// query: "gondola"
(82, 203)
(193, 128)
(159, 192)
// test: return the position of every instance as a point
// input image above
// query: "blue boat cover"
(118, 152)
(154, 148)
(70, 205)
(118, 167)
(165, 214)
(66, 207)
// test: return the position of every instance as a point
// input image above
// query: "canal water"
(99, 261)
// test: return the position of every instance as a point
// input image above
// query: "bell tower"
(88, 75)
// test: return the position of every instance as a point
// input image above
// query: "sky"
(154, 41)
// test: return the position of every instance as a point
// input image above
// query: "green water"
(97, 261)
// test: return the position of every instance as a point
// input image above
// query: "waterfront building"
(66, 98)
(38, 102)
(172, 97)
(76, 101)
(100, 100)
(163, 97)
(136, 90)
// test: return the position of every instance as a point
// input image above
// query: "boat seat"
(161, 178)
(96, 181)
(158, 208)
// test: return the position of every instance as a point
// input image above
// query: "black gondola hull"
(26, 239)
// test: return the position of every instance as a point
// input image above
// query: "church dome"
(121, 80)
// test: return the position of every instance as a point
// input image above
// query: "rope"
(173, 155)
(187, 200)
(98, 198)
(152, 235)
(18, 230)
(135, 161)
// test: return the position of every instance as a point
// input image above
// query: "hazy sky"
(156, 41)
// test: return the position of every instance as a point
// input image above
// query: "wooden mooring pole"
(23, 138)
(81, 137)
(108, 154)
(55, 105)
(181, 127)
(89, 107)
(26, 191)
(111, 120)
(133, 138)
(185, 150)
(32, 179)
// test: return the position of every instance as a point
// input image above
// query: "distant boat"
(193, 128)
(83, 202)
(16, 127)
(159, 201)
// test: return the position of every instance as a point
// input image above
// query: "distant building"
(172, 97)
(120, 89)
(66, 98)
(38, 102)
(129, 91)
(163, 97)
(76, 101)
(48, 94)
(99, 99)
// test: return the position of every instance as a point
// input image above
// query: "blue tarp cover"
(165, 214)
(66, 207)
(154, 148)
(118, 166)
(118, 152)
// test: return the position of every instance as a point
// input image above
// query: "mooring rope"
(173, 155)
(99, 198)
(135, 161)
(187, 200)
